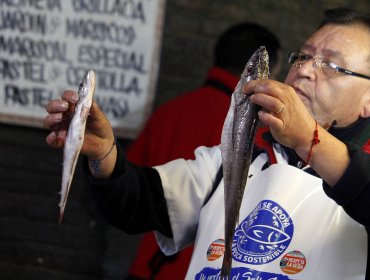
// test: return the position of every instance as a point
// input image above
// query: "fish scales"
(75, 136)
(237, 146)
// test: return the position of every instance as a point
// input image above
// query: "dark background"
(32, 245)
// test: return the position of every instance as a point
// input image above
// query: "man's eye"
(303, 57)
(295, 58)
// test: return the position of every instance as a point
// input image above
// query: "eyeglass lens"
(298, 60)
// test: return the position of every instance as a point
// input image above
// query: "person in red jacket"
(193, 119)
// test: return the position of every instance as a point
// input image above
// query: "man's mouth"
(300, 93)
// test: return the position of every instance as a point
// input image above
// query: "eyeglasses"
(328, 68)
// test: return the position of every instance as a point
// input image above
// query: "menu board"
(47, 46)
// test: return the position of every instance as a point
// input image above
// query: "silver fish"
(75, 136)
(236, 148)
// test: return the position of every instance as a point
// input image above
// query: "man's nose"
(307, 68)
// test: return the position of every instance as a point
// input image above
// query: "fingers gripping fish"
(236, 148)
(75, 136)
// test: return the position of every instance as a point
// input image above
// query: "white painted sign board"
(46, 46)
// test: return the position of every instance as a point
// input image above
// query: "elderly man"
(306, 204)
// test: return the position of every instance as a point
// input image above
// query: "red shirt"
(193, 119)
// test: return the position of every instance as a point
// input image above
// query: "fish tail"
(60, 219)
(61, 214)
(226, 266)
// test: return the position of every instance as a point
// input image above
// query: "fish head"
(87, 84)
(258, 66)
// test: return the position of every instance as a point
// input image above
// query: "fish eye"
(250, 70)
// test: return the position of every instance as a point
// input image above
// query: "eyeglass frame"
(330, 64)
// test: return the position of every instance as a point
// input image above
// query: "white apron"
(289, 229)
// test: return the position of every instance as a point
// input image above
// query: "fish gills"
(75, 136)
(236, 148)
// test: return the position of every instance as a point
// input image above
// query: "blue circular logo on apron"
(263, 235)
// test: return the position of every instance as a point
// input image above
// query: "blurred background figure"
(195, 119)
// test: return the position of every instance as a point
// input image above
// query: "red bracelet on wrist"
(315, 140)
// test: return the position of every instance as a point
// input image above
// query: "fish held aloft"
(75, 136)
(237, 142)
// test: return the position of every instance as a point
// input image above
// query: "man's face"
(341, 98)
